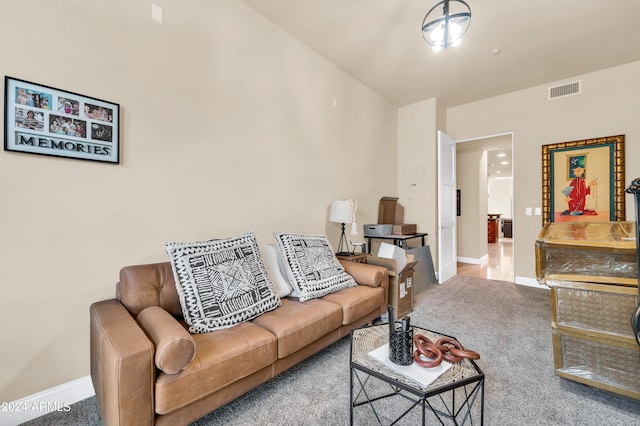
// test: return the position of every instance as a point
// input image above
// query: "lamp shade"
(341, 211)
(446, 28)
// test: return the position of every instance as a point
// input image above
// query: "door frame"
(447, 221)
(513, 195)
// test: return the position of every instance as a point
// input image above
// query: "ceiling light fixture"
(446, 30)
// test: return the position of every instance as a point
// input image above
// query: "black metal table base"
(453, 404)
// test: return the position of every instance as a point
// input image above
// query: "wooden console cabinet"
(592, 271)
(493, 228)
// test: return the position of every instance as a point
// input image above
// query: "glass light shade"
(445, 29)
(455, 30)
(437, 34)
(341, 211)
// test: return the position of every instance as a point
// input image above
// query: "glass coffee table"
(456, 397)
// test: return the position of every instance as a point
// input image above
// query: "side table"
(457, 396)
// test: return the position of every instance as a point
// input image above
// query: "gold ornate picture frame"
(583, 181)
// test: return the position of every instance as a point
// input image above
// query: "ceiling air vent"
(568, 89)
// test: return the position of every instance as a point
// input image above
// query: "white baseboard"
(474, 260)
(58, 398)
(531, 282)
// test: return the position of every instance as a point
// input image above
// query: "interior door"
(447, 236)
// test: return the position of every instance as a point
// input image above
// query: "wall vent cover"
(567, 89)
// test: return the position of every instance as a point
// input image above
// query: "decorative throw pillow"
(221, 283)
(311, 266)
(272, 264)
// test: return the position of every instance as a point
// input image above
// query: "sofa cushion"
(272, 264)
(311, 266)
(142, 286)
(357, 302)
(296, 324)
(221, 283)
(174, 346)
(222, 357)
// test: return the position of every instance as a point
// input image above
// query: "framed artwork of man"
(583, 181)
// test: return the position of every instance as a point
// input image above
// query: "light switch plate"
(528, 211)
(156, 13)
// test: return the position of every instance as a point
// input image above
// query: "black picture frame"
(44, 120)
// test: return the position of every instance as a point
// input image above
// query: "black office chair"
(634, 189)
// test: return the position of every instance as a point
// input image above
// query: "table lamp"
(342, 211)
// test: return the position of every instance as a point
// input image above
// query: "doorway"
(499, 264)
(485, 177)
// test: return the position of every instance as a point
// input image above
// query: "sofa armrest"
(174, 346)
(365, 274)
(122, 365)
(370, 275)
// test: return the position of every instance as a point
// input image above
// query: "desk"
(398, 240)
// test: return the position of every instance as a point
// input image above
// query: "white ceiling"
(379, 43)
(499, 154)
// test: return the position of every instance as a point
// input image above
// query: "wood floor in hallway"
(498, 267)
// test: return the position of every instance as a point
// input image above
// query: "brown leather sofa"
(132, 390)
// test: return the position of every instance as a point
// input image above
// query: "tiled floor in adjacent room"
(498, 267)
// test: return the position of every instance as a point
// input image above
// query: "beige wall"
(471, 167)
(417, 167)
(609, 105)
(228, 125)
(500, 196)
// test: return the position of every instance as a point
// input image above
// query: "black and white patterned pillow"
(221, 283)
(311, 266)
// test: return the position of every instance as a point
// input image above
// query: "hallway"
(498, 267)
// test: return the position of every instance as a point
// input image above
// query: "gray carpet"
(508, 324)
